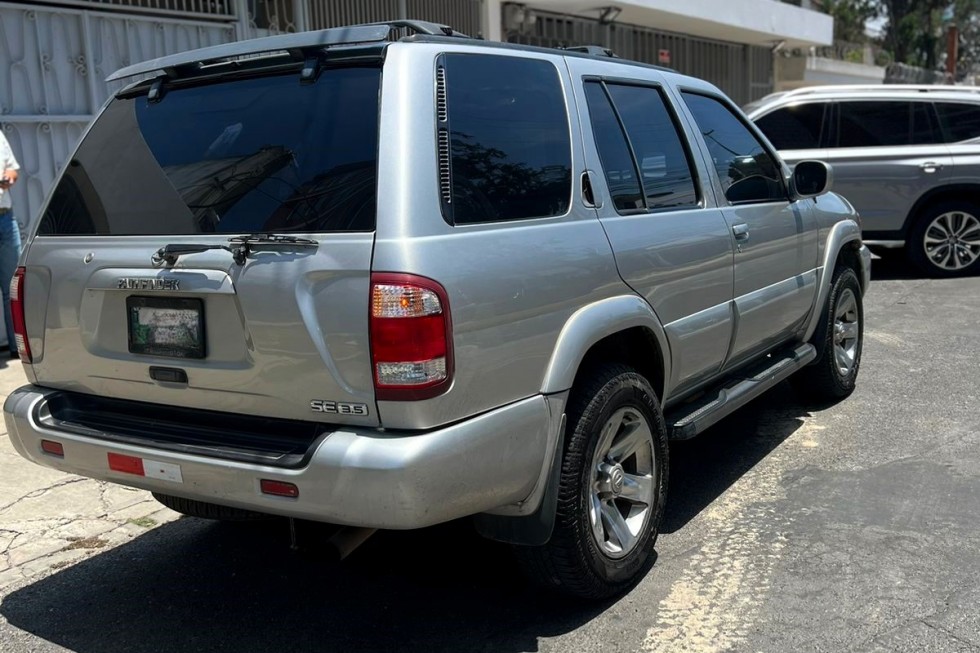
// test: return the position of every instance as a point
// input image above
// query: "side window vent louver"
(442, 115)
(442, 107)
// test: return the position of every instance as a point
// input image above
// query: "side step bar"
(689, 419)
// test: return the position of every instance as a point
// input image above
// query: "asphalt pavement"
(789, 527)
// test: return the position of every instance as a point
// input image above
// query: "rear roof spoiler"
(298, 44)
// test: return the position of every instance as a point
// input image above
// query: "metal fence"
(463, 15)
(744, 72)
(52, 65)
(216, 9)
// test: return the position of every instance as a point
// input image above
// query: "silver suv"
(906, 156)
(389, 283)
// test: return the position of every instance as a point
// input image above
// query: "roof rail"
(882, 88)
(595, 50)
(299, 45)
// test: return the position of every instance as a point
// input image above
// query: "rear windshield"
(264, 154)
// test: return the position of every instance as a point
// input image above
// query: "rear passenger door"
(671, 243)
(886, 155)
(775, 238)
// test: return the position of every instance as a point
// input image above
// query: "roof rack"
(595, 50)
(297, 45)
(880, 88)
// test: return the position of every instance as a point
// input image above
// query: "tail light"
(411, 337)
(17, 313)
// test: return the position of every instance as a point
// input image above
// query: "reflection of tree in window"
(489, 187)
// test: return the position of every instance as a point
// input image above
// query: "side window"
(874, 124)
(925, 130)
(959, 121)
(796, 127)
(639, 146)
(746, 169)
(505, 149)
(614, 151)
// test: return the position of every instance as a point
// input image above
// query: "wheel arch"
(843, 245)
(951, 192)
(622, 328)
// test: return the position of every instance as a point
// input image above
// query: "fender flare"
(590, 324)
(842, 233)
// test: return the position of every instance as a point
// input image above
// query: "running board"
(691, 418)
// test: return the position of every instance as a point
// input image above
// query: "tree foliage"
(913, 31)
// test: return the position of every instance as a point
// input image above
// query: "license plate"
(166, 326)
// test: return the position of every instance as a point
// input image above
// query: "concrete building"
(55, 54)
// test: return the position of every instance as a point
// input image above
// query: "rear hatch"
(274, 329)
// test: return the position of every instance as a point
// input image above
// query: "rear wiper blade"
(170, 253)
(247, 243)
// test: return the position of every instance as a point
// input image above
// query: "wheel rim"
(847, 332)
(623, 482)
(952, 240)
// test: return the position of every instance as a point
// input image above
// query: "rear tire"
(612, 488)
(840, 336)
(202, 510)
(945, 239)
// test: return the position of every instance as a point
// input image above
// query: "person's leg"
(9, 254)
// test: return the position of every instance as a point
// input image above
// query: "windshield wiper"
(248, 243)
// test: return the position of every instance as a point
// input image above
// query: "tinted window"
(925, 130)
(959, 121)
(793, 128)
(617, 162)
(663, 162)
(747, 171)
(873, 124)
(510, 150)
(252, 155)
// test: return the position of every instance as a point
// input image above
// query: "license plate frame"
(180, 330)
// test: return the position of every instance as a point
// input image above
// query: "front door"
(775, 239)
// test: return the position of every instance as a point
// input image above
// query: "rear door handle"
(741, 232)
(930, 167)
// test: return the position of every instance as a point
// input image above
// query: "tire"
(614, 420)
(839, 339)
(945, 239)
(202, 510)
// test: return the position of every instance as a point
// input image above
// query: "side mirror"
(811, 178)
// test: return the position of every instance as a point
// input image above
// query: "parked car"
(905, 156)
(381, 284)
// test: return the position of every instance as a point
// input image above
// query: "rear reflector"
(278, 488)
(17, 313)
(411, 337)
(126, 464)
(53, 448)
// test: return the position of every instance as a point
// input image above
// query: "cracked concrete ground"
(49, 519)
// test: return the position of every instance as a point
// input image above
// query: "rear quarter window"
(508, 155)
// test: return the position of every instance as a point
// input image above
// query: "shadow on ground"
(703, 468)
(193, 585)
(198, 586)
(894, 266)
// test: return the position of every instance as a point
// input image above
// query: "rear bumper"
(355, 477)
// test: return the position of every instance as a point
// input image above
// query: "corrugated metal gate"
(744, 72)
(52, 65)
(463, 15)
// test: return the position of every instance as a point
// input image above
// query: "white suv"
(907, 157)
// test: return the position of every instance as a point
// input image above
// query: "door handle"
(741, 232)
(930, 167)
